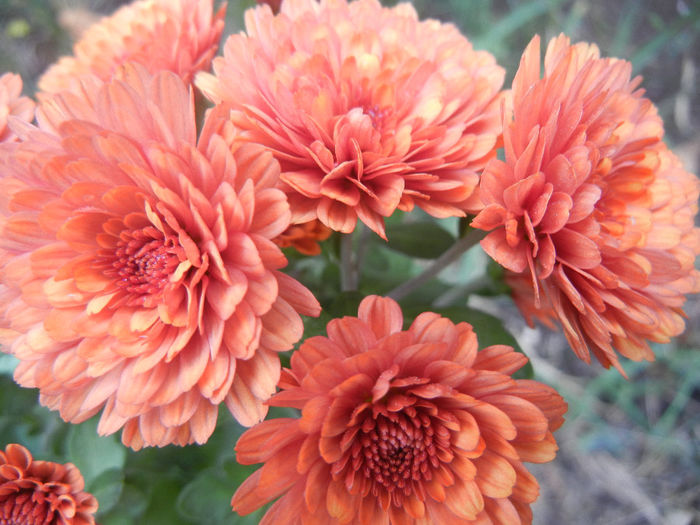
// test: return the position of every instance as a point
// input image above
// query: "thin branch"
(348, 280)
(451, 255)
(362, 247)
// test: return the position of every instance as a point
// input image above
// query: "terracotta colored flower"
(181, 36)
(13, 104)
(591, 205)
(139, 269)
(304, 237)
(366, 108)
(42, 492)
(400, 427)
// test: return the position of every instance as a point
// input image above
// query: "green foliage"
(93, 454)
(424, 239)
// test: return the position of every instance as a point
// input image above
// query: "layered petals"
(400, 427)
(590, 213)
(366, 108)
(42, 492)
(139, 273)
(181, 36)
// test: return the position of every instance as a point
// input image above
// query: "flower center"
(143, 261)
(396, 451)
(21, 509)
(377, 115)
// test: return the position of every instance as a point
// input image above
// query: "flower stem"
(348, 271)
(451, 255)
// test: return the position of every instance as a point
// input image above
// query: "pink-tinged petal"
(265, 440)
(203, 422)
(518, 197)
(496, 245)
(557, 214)
(576, 249)
(383, 315)
(337, 216)
(271, 213)
(492, 216)
(282, 327)
(351, 334)
(297, 295)
(500, 358)
(584, 199)
(243, 405)
(224, 297)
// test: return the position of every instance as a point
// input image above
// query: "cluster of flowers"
(140, 272)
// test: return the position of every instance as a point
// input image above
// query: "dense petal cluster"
(181, 36)
(400, 427)
(590, 206)
(42, 492)
(13, 104)
(366, 108)
(138, 274)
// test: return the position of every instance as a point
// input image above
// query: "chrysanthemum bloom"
(13, 104)
(181, 36)
(304, 237)
(591, 205)
(140, 273)
(42, 492)
(400, 427)
(366, 108)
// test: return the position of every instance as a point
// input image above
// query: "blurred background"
(630, 450)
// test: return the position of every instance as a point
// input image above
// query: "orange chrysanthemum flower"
(12, 104)
(181, 36)
(366, 108)
(592, 205)
(304, 237)
(400, 427)
(140, 273)
(42, 492)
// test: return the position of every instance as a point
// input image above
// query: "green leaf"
(131, 505)
(345, 303)
(207, 498)
(427, 240)
(162, 509)
(107, 488)
(93, 454)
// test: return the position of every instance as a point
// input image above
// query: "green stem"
(451, 255)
